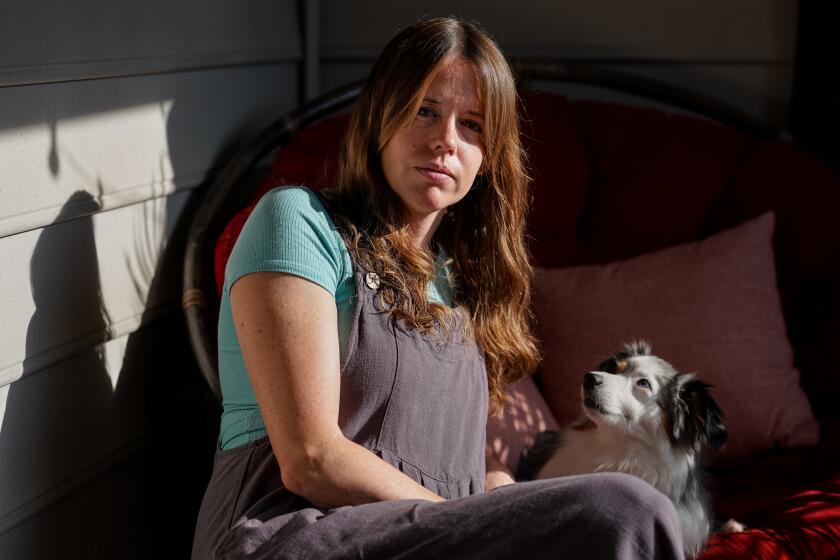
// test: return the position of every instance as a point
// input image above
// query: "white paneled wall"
(76, 425)
(107, 261)
(56, 41)
(111, 115)
(739, 52)
(654, 29)
(123, 140)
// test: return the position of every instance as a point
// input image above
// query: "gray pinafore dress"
(418, 403)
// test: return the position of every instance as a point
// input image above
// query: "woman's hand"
(497, 474)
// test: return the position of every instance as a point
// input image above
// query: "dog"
(642, 417)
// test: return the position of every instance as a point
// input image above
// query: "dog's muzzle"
(591, 380)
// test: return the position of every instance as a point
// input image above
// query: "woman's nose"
(444, 137)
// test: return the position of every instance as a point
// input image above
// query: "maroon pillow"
(709, 307)
(526, 414)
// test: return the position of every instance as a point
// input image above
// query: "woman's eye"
(643, 383)
(472, 125)
(425, 112)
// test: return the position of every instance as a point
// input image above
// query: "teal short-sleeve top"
(288, 231)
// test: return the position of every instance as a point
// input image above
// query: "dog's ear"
(692, 414)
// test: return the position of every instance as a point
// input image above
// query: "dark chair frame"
(199, 299)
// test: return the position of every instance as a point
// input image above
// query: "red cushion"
(789, 502)
(561, 173)
(803, 524)
(659, 175)
(310, 157)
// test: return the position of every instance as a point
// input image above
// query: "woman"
(365, 332)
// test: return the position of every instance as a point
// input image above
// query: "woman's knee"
(625, 494)
(605, 498)
(631, 491)
(603, 515)
(643, 518)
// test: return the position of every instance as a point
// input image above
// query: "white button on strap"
(372, 280)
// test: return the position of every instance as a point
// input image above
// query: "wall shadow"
(143, 499)
(182, 415)
(57, 415)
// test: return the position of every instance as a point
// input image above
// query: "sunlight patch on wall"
(4, 396)
(113, 354)
(118, 157)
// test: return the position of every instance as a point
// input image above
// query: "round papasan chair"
(636, 179)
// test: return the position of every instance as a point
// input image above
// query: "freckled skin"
(445, 133)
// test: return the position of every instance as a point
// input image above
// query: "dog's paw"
(731, 526)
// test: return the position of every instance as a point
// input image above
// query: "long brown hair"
(484, 233)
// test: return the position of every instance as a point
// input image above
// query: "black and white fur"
(641, 417)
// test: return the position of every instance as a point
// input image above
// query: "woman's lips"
(436, 175)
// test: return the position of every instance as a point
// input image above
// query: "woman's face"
(431, 162)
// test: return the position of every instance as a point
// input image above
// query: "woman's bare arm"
(287, 330)
(497, 473)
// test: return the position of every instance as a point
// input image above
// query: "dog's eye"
(643, 383)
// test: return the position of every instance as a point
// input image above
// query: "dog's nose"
(591, 380)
